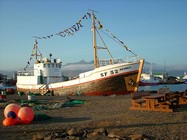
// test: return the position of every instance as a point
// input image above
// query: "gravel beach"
(109, 113)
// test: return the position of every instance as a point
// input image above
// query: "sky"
(155, 30)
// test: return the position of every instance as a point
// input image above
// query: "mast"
(36, 47)
(37, 50)
(96, 64)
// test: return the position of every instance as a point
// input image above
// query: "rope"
(105, 45)
(113, 37)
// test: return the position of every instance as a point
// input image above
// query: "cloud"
(82, 67)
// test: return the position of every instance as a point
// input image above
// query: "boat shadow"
(181, 108)
(61, 120)
(145, 124)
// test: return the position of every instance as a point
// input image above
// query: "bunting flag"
(32, 51)
(77, 26)
(69, 31)
(100, 25)
(33, 54)
(121, 42)
(28, 62)
(114, 37)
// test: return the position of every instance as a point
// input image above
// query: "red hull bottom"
(148, 84)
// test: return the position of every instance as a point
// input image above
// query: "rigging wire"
(118, 41)
(105, 45)
(113, 37)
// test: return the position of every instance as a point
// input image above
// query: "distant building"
(15, 75)
(3, 78)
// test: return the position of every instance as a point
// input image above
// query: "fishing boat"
(185, 77)
(148, 79)
(111, 76)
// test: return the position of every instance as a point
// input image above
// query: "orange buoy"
(26, 115)
(9, 122)
(11, 110)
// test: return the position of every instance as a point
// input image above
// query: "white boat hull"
(112, 79)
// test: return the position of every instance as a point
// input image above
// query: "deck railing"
(104, 62)
(26, 73)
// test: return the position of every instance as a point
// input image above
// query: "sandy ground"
(109, 112)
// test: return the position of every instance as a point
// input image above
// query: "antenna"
(50, 55)
(93, 10)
